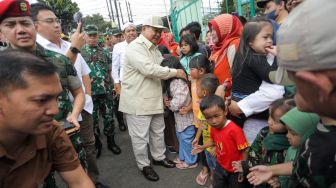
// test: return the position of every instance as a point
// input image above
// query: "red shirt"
(229, 141)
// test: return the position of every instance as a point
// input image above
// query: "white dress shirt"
(80, 65)
(118, 58)
(260, 100)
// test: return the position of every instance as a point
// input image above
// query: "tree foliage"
(228, 6)
(64, 10)
(98, 20)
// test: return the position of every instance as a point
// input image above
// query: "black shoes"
(121, 123)
(100, 185)
(165, 162)
(99, 145)
(150, 174)
(112, 146)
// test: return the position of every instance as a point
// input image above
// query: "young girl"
(271, 143)
(250, 68)
(178, 95)
(189, 49)
(199, 66)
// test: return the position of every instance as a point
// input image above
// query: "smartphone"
(66, 124)
(78, 18)
(68, 127)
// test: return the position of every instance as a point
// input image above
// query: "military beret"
(14, 8)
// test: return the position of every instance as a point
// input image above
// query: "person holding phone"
(49, 37)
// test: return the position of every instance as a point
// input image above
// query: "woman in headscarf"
(225, 30)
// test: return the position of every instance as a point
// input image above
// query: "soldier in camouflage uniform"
(68, 76)
(108, 41)
(99, 61)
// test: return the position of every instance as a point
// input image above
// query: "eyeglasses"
(50, 21)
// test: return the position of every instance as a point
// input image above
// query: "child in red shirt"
(227, 137)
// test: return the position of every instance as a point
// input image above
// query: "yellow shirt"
(206, 128)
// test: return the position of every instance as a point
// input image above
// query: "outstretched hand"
(237, 166)
(259, 174)
(197, 149)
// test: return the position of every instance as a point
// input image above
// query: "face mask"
(271, 15)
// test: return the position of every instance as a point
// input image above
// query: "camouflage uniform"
(99, 61)
(315, 166)
(69, 80)
(259, 153)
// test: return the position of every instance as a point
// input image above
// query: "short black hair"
(284, 104)
(278, 2)
(163, 50)
(191, 40)
(37, 7)
(15, 63)
(209, 82)
(211, 101)
(201, 62)
(181, 32)
(194, 28)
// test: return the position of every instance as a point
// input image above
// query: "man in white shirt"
(118, 58)
(49, 36)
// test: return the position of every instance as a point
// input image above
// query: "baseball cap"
(126, 25)
(116, 32)
(14, 8)
(91, 29)
(300, 122)
(306, 40)
(262, 3)
(154, 21)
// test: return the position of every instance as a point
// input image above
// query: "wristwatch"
(74, 50)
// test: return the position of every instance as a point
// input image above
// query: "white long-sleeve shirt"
(80, 65)
(118, 58)
(260, 100)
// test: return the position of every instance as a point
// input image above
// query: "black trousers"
(223, 179)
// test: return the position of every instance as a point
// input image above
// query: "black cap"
(262, 3)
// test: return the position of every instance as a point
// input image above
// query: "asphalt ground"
(121, 171)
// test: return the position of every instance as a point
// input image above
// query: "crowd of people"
(253, 105)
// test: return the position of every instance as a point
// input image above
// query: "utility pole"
(121, 14)
(128, 15)
(108, 9)
(117, 13)
(131, 15)
(111, 7)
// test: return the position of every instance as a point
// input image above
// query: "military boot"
(111, 145)
(98, 145)
(121, 123)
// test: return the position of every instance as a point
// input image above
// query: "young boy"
(228, 139)
(206, 86)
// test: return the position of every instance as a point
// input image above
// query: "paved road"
(120, 171)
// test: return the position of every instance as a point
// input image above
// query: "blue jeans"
(185, 139)
(211, 160)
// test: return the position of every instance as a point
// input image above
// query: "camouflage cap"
(116, 32)
(91, 29)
